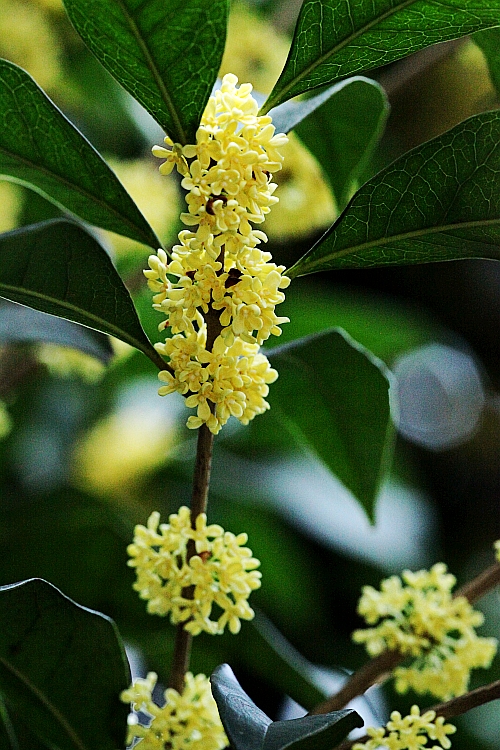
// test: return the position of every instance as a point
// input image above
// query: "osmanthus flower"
(418, 616)
(218, 266)
(222, 572)
(187, 721)
(410, 732)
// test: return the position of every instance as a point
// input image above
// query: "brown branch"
(376, 669)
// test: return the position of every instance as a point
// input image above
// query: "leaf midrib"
(181, 134)
(320, 60)
(59, 717)
(383, 241)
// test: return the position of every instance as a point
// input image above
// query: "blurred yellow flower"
(5, 421)
(10, 205)
(27, 39)
(254, 51)
(66, 362)
(188, 721)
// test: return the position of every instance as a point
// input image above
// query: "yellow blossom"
(218, 264)
(5, 421)
(222, 572)
(409, 733)
(417, 616)
(188, 720)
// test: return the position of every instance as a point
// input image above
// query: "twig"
(374, 670)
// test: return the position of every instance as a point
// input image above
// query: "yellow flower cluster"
(221, 572)
(497, 550)
(409, 733)
(187, 721)
(218, 269)
(417, 616)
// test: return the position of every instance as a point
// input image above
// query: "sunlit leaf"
(167, 55)
(337, 38)
(333, 395)
(59, 268)
(41, 149)
(343, 132)
(62, 668)
(441, 201)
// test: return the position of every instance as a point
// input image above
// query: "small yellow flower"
(188, 721)
(417, 616)
(409, 733)
(497, 550)
(223, 572)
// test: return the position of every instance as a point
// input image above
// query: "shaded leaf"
(167, 55)
(245, 724)
(440, 201)
(41, 149)
(333, 395)
(320, 732)
(344, 131)
(248, 728)
(289, 114)
(59, 268)
(334, 39)
(62, 668)
(489, 43)
(22, 324)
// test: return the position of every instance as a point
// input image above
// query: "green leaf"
(166, 54)
(344, 131)
(320, 732)
(59, 268)
(41, 149)
(62, 668)
(245, 724)
(336, 38)
(489, 43)
(248, 728)
(440, 201)
(289, 114)
(22, 324)
(333, 395)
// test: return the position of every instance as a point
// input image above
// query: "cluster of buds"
(218, 290)
(409, 732)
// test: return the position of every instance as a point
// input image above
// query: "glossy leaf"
(440, 201)
(248, 728)
(167, 55)
(62, 668)
(334, 39)
(489, 42)
(22, 324)
(344, 131)
(333, 395)
(59, 268)
(289, 114)
(41, 149)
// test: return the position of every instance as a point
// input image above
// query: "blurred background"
(88, 451)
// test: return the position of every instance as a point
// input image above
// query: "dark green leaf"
(489, 42)
(245, 724)
(333, 395)
(62, 668)
(8, 736)
(41, 149)
(59, 268)
(343, 132)
(21, 324)
(321, 732)
(166, 54)
(335, 39)
(440, 201)
(248, 728)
